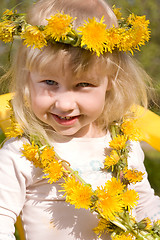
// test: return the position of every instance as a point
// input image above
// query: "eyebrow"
(86, 79)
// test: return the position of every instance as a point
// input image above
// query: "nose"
(65, 101)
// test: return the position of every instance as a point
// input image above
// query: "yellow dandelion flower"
(33, 37)
(94, 35)
(104, 226)
(53, 171)
(14, 131)
(58, 26)
(77, 193)
(7, 13)
(140, 30)
(108, 205)
(6, 31)
(158, 222)
(133, 176)
(139, 21)
(114, 186)
(145, 224)
(31, 152)
(148, 224)
(113, 38)
(118, 142)
(131, 131)
(125, 42)
(111, 160)
(117, 12)
(130, 198)
(124, 236)
(81, 196)
(135, 36)
(69, 185)
(47, 155)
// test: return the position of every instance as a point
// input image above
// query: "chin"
(67, 132)
(75, 131)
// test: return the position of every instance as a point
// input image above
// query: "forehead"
(70, 63)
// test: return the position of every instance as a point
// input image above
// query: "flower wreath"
(132, 32)
(114, 202)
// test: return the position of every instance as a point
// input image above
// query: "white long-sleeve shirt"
(44, 212)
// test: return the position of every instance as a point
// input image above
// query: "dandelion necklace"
(112, 202)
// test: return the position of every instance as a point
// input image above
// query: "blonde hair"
(125, 75)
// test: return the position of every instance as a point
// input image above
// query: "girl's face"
(69, 104)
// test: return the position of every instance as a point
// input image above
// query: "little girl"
(68, 94)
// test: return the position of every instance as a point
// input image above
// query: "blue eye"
(51, 82)
(83, 84)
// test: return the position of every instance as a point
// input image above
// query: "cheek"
(94, 103)
(35, 100)
(99, 104)
(38, 104)
(39, 97)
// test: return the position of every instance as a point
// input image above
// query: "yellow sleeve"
(149, 124)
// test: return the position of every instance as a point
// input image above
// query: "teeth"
(66, 118)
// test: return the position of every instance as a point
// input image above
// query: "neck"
(91, 131)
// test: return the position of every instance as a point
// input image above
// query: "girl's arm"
(13, 181)
(148, 204)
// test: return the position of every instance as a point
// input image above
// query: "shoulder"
(12, 149)
(11, 159)
(14, 144)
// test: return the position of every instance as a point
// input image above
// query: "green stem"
(17, 37)
(119, 224)
(72, 35)
(113, 131)
(70, 170)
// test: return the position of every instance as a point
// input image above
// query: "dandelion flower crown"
(132, 32)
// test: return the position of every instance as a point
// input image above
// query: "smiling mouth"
(65, 120)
